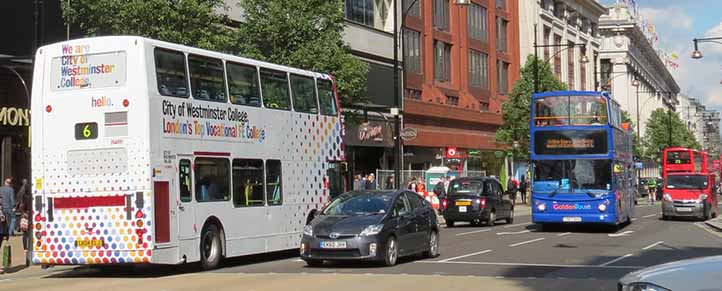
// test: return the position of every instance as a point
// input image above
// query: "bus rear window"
(170, 72)
(100, 70)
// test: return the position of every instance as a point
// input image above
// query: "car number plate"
(683, 209)
(572, 219)
(333, 244)
(463, 203)
(88, 243)
(462, 208)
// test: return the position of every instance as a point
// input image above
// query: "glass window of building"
(501, 34)
(502, 70)
(360, 11)
(478, 69)
(412, 51)
(477, 22)
(441, 14)
(442, 61)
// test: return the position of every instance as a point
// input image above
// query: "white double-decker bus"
(150, 152)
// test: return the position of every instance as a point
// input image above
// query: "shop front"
(14, 139)
(369, 147)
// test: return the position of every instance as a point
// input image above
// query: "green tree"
(305, 34)
(665, 129)
(188, 22)
(516, 110)
(637, 145)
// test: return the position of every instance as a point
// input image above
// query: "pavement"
(18, 254)
(517, 256)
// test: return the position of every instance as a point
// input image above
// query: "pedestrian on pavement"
(523, 185)
(362, 182)
(420, 185)
(7, 195)
(440, 188)
(371, 182)
(412, 184)
(390, 183)
(25, 201)
(511, 189)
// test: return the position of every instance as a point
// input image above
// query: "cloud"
(673, 16)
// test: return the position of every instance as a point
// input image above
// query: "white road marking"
(519, 224)
(297, 260)
(616, 260)
(563, 234)
(653, 245)
(476, 231)
(529, 265)
(648, 216)
(633, 219)
(625, 233)
(464, 256)
(526, 242)
(514, 232)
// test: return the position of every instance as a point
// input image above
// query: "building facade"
(690, 110)
(631, 68)
(711, 133)
(563, 22)
(460, 65)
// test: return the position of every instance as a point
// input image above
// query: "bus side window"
(207, 80)
(170, 73)
(274, 87)
(243, 84)
(326, 97)
(212, 179)
(304, 94)
(248, 183)
(274, 189)
(184, 180)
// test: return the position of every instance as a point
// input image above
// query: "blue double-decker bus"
(581, 159)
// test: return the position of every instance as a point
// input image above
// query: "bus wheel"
(210, 247)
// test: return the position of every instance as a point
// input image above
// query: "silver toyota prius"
(700, 274)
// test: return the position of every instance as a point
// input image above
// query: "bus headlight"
(602, 207)
(541, 207)
(702, 197)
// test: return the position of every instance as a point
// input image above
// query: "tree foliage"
(516, 110)
(665, 129)
(306, 34)
(188, 22)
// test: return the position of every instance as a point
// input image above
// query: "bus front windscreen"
(572, 176)
(687, 182)
(571, 110)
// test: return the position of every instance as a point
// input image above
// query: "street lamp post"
(583, 59)
(396, 111)
(697, 54)
(636, 84)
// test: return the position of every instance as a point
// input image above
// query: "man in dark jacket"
(440, 188)
(7, 203)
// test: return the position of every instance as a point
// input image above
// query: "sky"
(677, 23)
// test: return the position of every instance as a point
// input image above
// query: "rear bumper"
(677, 209)
(466, 216)
(541, 218)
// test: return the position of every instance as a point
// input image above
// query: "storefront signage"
(409, 134)
(11, 116)
(371, 133)
(454, 153)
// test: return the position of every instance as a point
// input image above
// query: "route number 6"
(86, 130)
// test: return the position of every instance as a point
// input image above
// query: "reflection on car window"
(687, 182)
(402, 206)
(576, 176)
(358, 204)
(465, 188)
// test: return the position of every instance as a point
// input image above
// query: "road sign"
(450, 152)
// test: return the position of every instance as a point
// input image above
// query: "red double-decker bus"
(684, 160)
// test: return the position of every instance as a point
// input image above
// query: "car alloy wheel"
(392, 252)
(433, 245)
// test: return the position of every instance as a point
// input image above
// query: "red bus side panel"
(162, 212)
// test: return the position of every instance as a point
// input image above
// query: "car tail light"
(483, 203)
(443, 203)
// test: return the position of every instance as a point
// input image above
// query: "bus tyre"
(210, 247)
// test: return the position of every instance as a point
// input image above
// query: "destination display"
(571, 142)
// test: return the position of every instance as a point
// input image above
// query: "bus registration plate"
(333, 244)
(572, 219)
(89, 243)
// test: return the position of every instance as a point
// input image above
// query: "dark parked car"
(475, 200)
(371, 225)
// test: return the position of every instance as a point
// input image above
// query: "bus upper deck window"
(170, 72)
(207, 80)
(304, 94)
(327, 98)
(243, 85)
(274, 85)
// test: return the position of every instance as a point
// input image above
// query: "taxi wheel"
(492, 218)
